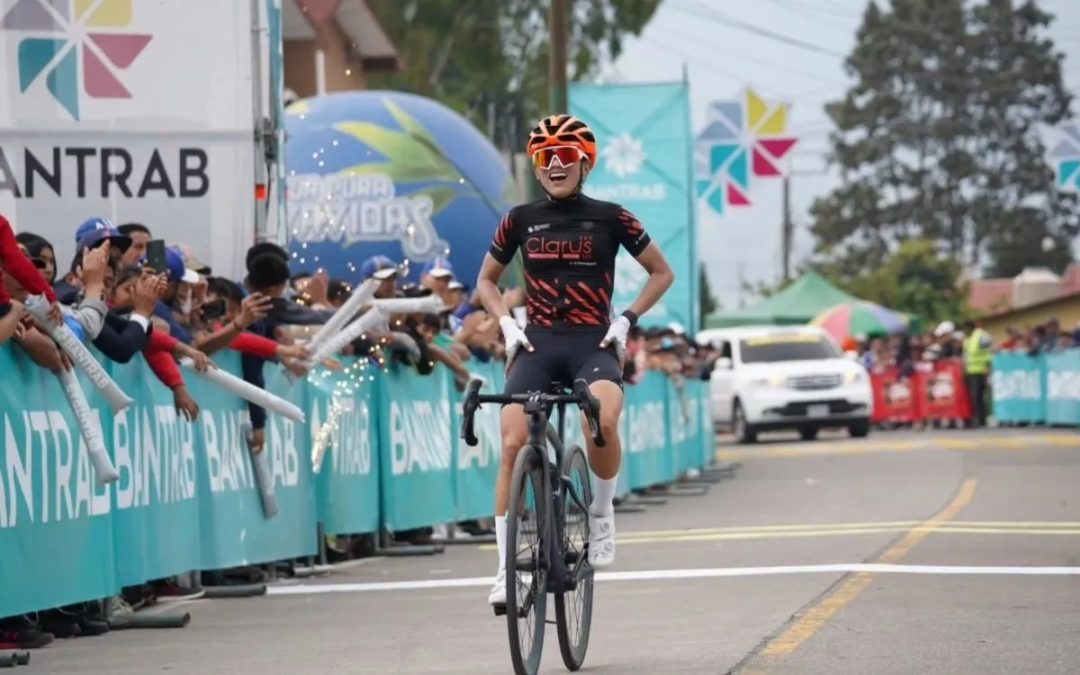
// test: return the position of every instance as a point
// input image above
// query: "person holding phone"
(167, 260)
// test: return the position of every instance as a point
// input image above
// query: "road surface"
(951, 552)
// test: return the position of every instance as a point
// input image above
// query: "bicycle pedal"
(500, 610)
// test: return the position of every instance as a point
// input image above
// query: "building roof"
(1070, 281)
(990, 296)
(370, 44)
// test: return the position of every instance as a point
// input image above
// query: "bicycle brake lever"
(590, 405)
(468, 432)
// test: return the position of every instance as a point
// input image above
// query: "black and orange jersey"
(568, 248)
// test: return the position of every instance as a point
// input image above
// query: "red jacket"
(15, 263)
(158, 354)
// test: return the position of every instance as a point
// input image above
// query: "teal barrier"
(476, 468)
(187, 497)
(347, 485)
(1044, 388)
(1018, 387)
(1063, 387)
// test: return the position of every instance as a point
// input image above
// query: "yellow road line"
(1047, 441)
(802, 532)
(819, 614)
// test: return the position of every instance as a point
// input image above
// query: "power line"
(765, 62)
(838, 8)
(704, 12)
(811, 12)
(704, 64)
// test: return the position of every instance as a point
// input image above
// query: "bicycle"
(555, 558)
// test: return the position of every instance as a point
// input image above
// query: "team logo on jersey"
(560, 248)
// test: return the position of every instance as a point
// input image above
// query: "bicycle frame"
(543, 435)
(544, 440)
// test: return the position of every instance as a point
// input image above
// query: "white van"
(786, 377)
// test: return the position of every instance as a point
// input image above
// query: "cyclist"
(568, 243)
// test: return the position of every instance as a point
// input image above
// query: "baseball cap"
(177, 270)
(380, 267)
(96, 230)
(191, 261)
(439, 267)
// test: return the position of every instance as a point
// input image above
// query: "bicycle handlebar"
(581, 396)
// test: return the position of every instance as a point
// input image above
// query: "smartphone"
(214, 310)
(155, 256)
(277, 308)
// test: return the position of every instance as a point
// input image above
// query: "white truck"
(161, 112)
(786, 377)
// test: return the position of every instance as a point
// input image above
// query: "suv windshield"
(792, 347)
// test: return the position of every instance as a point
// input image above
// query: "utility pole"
(786, 230)
(557, 24)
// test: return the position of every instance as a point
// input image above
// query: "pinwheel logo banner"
(744, 141)
(645, 143)
(79, 47)
(1066, 158)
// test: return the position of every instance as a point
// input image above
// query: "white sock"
(603, 501)
(500, 540)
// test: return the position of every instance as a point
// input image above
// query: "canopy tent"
(795, 305)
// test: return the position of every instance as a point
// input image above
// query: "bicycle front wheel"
(573, 609)
(526, 567)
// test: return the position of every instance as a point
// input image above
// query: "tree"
(706, 300)
(917, 279)
(488, 59)
(938, 138)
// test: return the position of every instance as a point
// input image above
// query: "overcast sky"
(722, 59)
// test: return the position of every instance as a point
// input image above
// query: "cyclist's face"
(560, 181)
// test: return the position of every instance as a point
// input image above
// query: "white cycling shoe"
(601, 541)
(497, 594)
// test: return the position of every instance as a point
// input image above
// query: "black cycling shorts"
(560, 358)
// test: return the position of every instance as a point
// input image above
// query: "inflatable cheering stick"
(91, 433)
(264, 478)
(342, 316)
(117, 399)
(247, 391)
(354, 330)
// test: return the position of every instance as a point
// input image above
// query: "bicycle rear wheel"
(527, 521)
(573, 609)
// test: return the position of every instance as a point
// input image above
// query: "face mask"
(185, 306)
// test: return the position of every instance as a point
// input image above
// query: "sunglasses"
(565, 154)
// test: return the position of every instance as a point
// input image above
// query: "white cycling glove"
(617, 336)
(514, 338)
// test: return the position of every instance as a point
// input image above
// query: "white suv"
(786, 377)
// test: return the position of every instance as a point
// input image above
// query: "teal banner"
(645, 164)
(415, 450)
(1018, 387)
(187, 497)
(234, 530)
(56, 523)
(646, 453)
(157, 454)
(345, 405)
(477, 468)
(1063, 387)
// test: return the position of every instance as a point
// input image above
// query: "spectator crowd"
(117, 295)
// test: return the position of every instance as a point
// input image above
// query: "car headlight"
(856, 376)
(767, 381)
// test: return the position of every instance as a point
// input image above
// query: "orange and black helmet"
(563, 129)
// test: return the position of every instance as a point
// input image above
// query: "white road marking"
(703, 573)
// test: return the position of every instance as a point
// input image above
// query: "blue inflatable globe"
(387, 173)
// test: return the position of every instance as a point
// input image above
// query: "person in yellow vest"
(977, 357)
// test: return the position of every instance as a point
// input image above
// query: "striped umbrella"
(860, 316)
